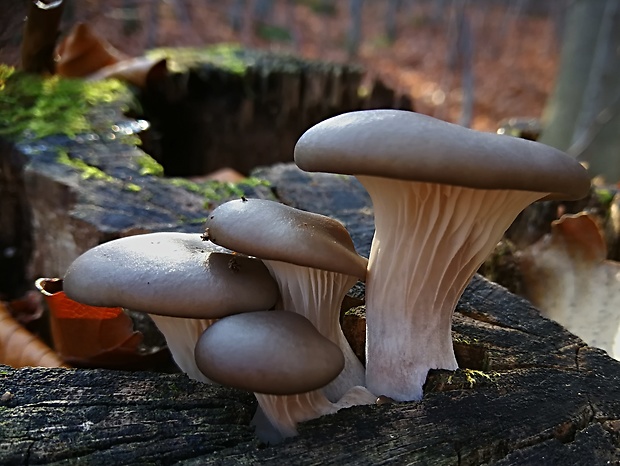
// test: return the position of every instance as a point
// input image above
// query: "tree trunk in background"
(40, 34)
(355, 29)
(581, 116)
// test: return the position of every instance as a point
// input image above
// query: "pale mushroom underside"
(429, 241)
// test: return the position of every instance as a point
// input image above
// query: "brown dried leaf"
(20, 348)
(133, 70)
(566, 276)
(82, 53)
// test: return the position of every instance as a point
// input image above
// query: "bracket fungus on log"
(181, 280)
(443, 195)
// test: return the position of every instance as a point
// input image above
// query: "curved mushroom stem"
(181, 336)
(429, 241)
(284, 412)
(317, 295)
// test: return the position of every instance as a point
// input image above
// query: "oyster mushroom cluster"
(254, 302)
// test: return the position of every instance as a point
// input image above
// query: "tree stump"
(225, 106)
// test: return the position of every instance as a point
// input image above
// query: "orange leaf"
(20, 348)
(62, 307)
(89, 336)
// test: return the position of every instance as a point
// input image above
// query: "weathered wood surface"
(543, 397)
(528, 392)
(226, 106)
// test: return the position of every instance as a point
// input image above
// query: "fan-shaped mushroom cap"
(410, 146)
(172, 274)
(294, 236)
(272, 352)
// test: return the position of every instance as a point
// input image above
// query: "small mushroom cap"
(171, 274)
(271, 352)
(273, 231)
(410, 146)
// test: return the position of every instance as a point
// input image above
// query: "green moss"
(39, 106)
(474, 377)
(227, 56)
(605, 196)
(149, 166)
(90, 172)
(465, 341)
(87, 171)
(217, 190)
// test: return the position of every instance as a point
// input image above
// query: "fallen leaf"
(89, 336)
(566, 275)
(20, 348)
(133, 70)
(82, 53)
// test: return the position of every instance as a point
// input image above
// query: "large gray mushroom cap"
(270, 352)
(273, 231)
(171, 274)
(411, 146)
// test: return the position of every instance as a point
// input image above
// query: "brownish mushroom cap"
(170, 274)
(273, 231)
(312, 258)
(271, 352)
(411, 146)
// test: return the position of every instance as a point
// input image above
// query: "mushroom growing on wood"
(443, 195)
(312, 258)
(281, 357)
(181, 280)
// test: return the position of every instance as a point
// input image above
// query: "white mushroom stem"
(284, 412)
(429, 241)
(317, 295)
(181, 336)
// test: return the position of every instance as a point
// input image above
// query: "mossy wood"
(225, 106)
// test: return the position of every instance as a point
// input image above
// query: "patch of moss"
(218, 190)
(474, 377)
(90, 172)
(230, 57)
(38, 106)
(149, 166)
(464, 340)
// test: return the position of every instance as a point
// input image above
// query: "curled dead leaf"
(82, 53)
(566, 276)
(89, 336)
(20, 348)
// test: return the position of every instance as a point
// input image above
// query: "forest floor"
(515, 55)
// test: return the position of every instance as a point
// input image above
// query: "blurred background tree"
(583, 113)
